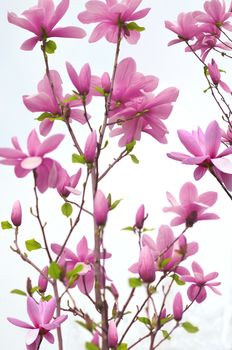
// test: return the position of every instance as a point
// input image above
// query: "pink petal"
(188, 193)
(19, 323)
(85, 283)
(199, 172)
(164, 239)
(59, 12)
(197, 269)
(33, 143)
(31, 163)
(139, 14)
(212, 139)
(190, 143)
(49, 337)
(99, 32)
(32, 336)
(208, 216)
(177, 156)
(50, 144)
(56, 323)
(11, 153)
(40, 103)
(29, 44)
(20, 22)
(49, 309)
(68, 32)
(223, 164)
(33, 311)
(45, 127)
(82, 249)
(208, 198)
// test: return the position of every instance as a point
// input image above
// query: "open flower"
(192, 206)
(46, 169)
(113, 15)
(41, 316)
(204, 149)
(41, 20)
(197, 290)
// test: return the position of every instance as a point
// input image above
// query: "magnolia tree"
(76, 281)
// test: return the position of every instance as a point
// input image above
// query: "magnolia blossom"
(66, 184)
(178, 307)
(192, 206)
(82, 81)
(140, 217)
(16, 214)
(41, 316)
(46, 169)
(204, 149)
(101, 208)
(90, 147)
(41, 20)
(113, 15)
(215, 14)
(84, 257)
(112, 335)
(43, 280)
(197, 290)
(52, 102)
(146, 265)
(215, 76)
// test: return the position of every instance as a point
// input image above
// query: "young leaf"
(164, 262)
(18, 291)
(122, 346)
(189, 327)
(134, 159)
(128, 228)
(177, 279)
(44, 115)
(47, 297)
(91, 346)
(67, 209)
(50, 47)
(100, 90)
(77, 158)
(165, 320)
(32, 244)
(130, 146)
(6, 225)
(54, 270)
(165, 334)
(144, 320)
(135, 282)
(115, 204)
(135, 26)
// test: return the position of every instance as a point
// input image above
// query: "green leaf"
(177, 279)
(122, 346)
(18, 291)
(128, 228)
(189, 327)
(71, 98)
(148, 229)
(50, 47)
(6, 225)
(144, 320)
(32, 244)
(115, 204)
(47, 297)
(77, 158)
(91, 346)
(164, 262)
(135, 26)
(74, 274)
(134, 159)
(43, 116)
(100, 90)
(130, 146)
(165, 320)
(54, 270)
(166, 334)
(34, 289)
(67, 209)
(135, 282)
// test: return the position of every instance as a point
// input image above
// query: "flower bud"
(95, 339)
(101, 208)
(43, 281)
(90, 147)
(139, 219)
(106, 83)
(146, 265)
(16, 214)
(112, 335)
(178, 307)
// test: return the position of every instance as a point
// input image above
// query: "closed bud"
(106, 83)
(139, 219)
(90, 147)
(101, 208)
(43, 281)
(147, 265)
(112, 335)
(95, 339)
(178, 307)
(16, 214)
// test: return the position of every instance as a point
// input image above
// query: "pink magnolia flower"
(144, 114)
(82, 82)
(113, 15)
(186, 27)
(16, 214)
(112, 335)
(41, 316)
(178, 307)
(227, 135)
(215, 76)
(66, 184)
(85, 257)
(146, 265)
(90, 147)
(53, 102)
(43, 281)
(101, 208)
(215, 14)
(41, 20)
(192, 206)
(46, 169)
(140, 217)
(197, 290)
(204, 149)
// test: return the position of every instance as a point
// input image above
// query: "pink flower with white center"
(16, 214)
(41, 316)
(178, 307)
(144, 114)
(192, 206)
(186, 27)
(45, 101)
(85, 257)
(215, 76)
(204, 149)
(41, 20)
(113, 15)
(197, 290)
(45, 169)
(66, 184)
(215, 14)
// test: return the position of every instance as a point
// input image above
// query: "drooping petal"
(50, 144)
(68, 32)
(29, 44)
(19, 323)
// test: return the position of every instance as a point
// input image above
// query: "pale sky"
(146, 183)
